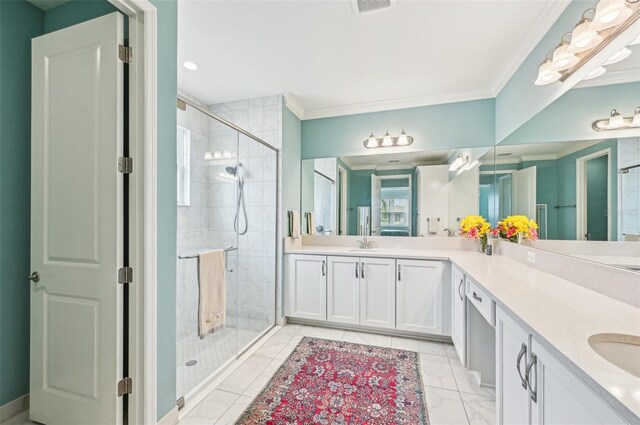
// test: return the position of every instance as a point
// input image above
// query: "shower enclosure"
(227, 199)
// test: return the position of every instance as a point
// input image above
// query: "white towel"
(212, 285)
(434, 224)
(311, 224)
(294, 224)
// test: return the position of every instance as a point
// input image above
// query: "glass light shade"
(546, 75)
(620, 56)
(596, 73)
(616, 120)
(208, 156)
(584, 37)
(217, 155)
(191, 66)
(402, 139)
(372, 142)
(602, 124)
(635, 41)
(386, 140)
(610, 13)
(635, 122)
(563, 58)
(227, 154)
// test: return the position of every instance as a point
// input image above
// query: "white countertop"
(559, 313)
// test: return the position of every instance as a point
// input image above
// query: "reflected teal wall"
(19, 23)
(432, 127)
(291, 167)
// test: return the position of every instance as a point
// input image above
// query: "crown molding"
(611, 78)
(294, 106)
(394, 104)
(541, 26)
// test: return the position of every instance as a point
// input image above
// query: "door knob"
(35, 276)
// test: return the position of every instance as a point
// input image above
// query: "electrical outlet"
(531, 257)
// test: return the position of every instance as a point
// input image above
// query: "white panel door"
(524, 192)
(419, 296)
(306, 282)
(512, 398)
(376, 205)
(76, 224)
(378, 292)
(343, 290)
(459, 314)
(559, 397)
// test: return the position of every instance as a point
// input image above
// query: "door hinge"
(180, 403)
(125, 386)
(125, 54)
(125, 165)
(125, 275)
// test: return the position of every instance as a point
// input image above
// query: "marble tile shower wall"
(256, 271)
(629, 187)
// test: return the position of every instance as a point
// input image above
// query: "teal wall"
(291, 164)
(19, 23)
(570, 117)
(432, 127)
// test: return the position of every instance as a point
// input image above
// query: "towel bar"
(230, 248)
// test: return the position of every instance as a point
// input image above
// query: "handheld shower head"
(232, 170)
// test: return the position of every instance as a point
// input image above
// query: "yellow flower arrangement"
(474, 227)
(517, 228)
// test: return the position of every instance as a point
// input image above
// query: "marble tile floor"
(451, 394)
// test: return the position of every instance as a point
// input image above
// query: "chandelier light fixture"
(617, 121)
(595, 30)
(387, 141)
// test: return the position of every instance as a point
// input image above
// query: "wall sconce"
(617, 121)
(590, 36)
(387, 141)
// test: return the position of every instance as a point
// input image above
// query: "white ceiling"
(333, 61)
(535, 152)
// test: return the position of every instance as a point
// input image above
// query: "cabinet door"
(419, 296)
(343, 290)
(459, 314)
(559, 397)
(378, 292)
(512, 398)
(307, 286)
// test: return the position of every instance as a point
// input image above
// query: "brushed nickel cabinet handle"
(527, 374)
(477, 297)
(356, 264)
(324, 264)
(523, 351)
(362, 270)
(460, 289)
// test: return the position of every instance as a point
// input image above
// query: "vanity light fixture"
(594, 31)
(596, 73)
(636, 41)
(617, 121)
(459, 162)
(546, 75)
(217, 155)
(388, 141)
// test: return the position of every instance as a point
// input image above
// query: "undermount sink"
(619, 349)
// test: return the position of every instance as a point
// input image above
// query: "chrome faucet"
(365, 243)
(450, 232)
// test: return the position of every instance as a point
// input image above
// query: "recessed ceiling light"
(191, 66)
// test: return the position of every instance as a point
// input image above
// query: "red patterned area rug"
(336, 382)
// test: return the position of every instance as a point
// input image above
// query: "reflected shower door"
(257, 247)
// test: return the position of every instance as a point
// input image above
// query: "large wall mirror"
(395, 194)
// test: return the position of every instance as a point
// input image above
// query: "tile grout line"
(459, 392)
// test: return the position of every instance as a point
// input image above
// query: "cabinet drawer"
(485, 305)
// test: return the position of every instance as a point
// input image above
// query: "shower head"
(232, 170)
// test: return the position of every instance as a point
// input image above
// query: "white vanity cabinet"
(534, 387)
(419, 291)
(459, 314)
(306, 282)
(378, 292)
(343, 290)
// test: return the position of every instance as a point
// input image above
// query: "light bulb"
(386, 140)
(584, 37)
(563, 58)
(227, 154)
(217, 155)
(371, 142)
(616, 120)
(595, 73)
(402, 139)
(191, 66)
(208, 156)
(620, 56)
(635, 122)
(546, 75)
(610, 13)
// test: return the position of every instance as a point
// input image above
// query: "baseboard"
(14, 408)
(171, 418)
